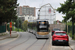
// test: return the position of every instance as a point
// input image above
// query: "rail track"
(31, 45)
(35, 42)
(20, 43)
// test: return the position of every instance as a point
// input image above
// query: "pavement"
(5, 35)
(72, 43)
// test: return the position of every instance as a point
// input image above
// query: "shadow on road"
(60, 45)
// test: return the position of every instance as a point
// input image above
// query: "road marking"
(11, 40)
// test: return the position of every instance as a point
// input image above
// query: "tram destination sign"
(42, 26)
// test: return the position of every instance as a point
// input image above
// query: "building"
(26, 12)
(47, 12)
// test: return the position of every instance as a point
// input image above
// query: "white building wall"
(45, 14)
(28, 17)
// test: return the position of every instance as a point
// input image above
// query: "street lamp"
(39, 14)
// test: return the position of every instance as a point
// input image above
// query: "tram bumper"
(42, 36)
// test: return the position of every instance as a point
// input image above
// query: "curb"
(11, 40)
(9, 37)
(70, 43)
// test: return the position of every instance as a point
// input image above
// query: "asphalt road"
(28, 41)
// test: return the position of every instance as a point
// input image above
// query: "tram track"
(31, 45)
(44, 45)
(35, 43)
(20, 43)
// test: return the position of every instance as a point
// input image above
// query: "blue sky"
(38, 3)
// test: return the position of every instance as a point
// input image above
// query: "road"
(28, 41)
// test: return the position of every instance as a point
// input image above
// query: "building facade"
(26, 12)
(47, 12)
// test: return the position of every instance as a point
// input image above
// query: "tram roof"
(42, 20)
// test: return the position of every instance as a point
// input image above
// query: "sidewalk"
(13, 35)
(72, 43)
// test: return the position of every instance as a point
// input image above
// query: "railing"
(2, 28)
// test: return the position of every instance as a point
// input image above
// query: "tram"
(40, 28)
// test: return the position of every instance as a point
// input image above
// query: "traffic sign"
(10, 24)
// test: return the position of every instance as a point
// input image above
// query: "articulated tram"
(40, 28)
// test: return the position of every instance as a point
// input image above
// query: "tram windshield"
(42, 26)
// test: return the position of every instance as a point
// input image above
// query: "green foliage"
(69, 23)
(17, 29)
(25, 25)
(67, 8)
(7, 12)
(18, 23)
(70, 34)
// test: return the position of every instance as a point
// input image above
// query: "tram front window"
(43, 28)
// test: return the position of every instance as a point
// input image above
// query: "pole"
(10, 27)
(73, 26)
(18, 24)
(10, 32)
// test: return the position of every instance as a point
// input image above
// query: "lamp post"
(39, 14)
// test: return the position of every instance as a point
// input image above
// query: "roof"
(59, 31)
(42, 20)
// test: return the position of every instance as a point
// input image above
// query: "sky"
(38, 3)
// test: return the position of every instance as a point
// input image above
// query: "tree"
(25, 25)
(18, 23)
(7, 10)
(68, 8)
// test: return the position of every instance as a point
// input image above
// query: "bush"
(25, 25)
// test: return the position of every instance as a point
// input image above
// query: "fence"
(2, 28)
(69, 29)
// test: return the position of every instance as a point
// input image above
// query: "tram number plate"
(42, 26)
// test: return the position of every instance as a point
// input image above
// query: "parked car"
(55, 29)
(60, 37)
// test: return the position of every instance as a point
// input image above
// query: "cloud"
(59, 16)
